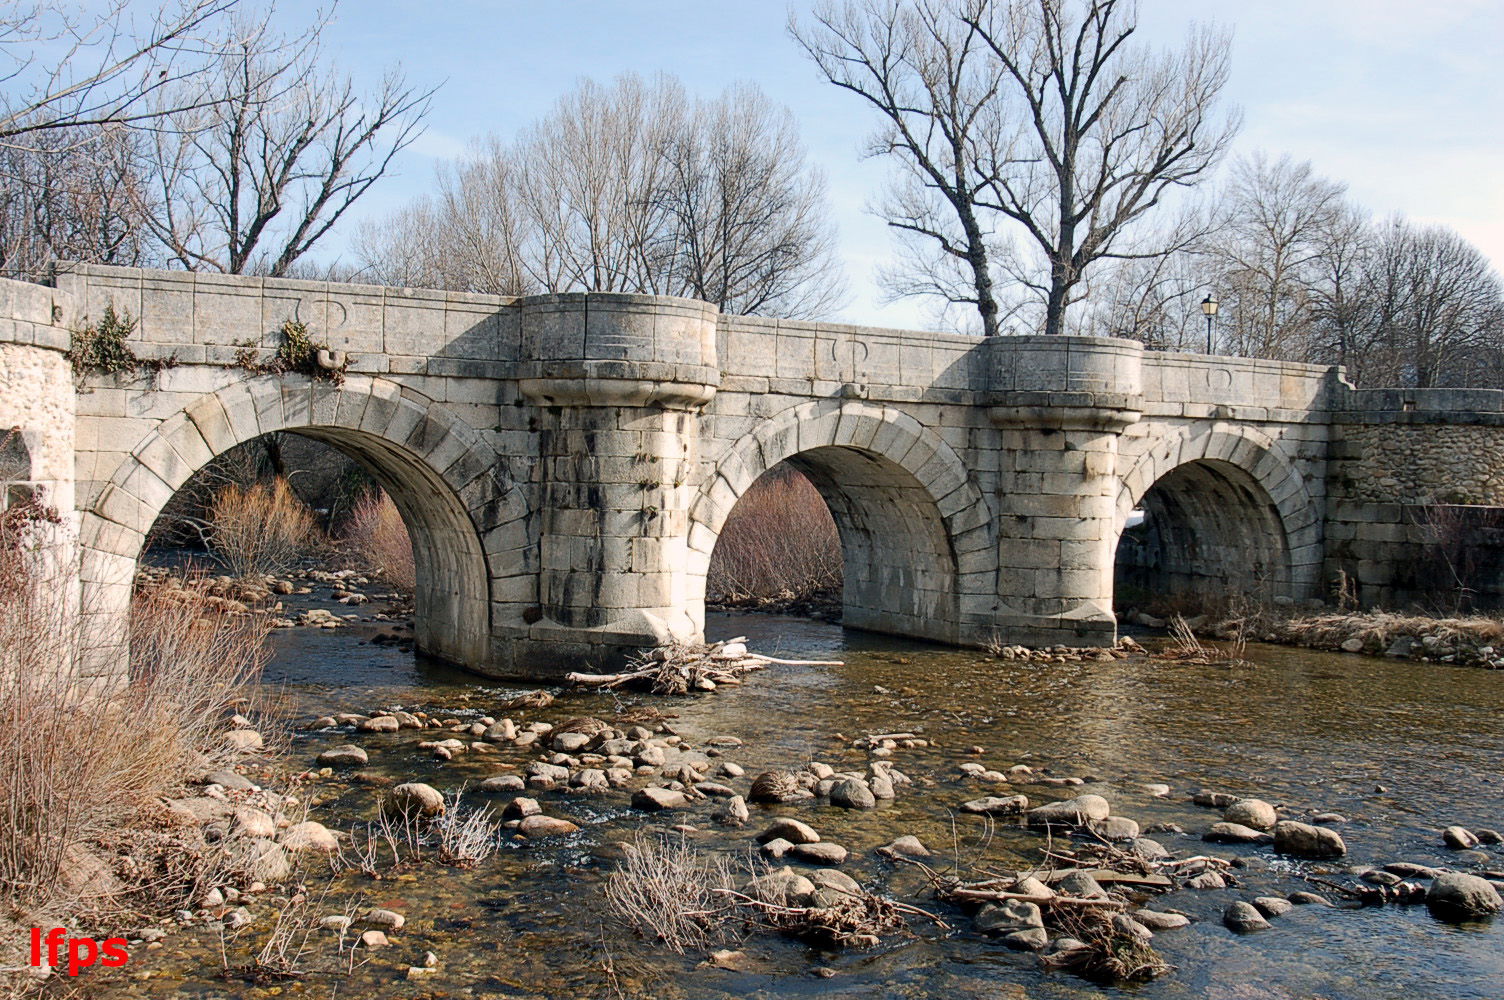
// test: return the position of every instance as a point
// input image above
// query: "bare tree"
(634, 188)
(747, 228)
(1037, 113)
(255, 180)
(1280, 218)
(102, 68)
(927, 73)
(69, 195)
(1438, 309)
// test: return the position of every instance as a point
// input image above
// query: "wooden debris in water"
(681, 667)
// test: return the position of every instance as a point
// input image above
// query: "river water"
(1401, 749)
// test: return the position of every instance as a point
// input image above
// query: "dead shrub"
(78, 761)
(261, 528)
(780, 539)
(669, 891)
(378, 534)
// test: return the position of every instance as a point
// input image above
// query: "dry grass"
(779, 540)
(376, 531)
(79, 765)
(671, 892)
(261, 528)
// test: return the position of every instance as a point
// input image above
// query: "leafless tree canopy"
(1304, 275)
(1034, 136)
(110, 69)
(631, 187)
(253, 180)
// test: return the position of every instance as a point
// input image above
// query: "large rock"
(824, 853)
(907, 846)
(776, 786)
(1158, 921)
(781, 887)
(834, 887)
(1459, 838)
(1304, 841)
(733, 813)
(997, 805)
(1017, 922)
(1455, 896)
(348, 755)
(1235, 833)
(310, 836)
(1243, 918)
(503, 783)
(413, 797)
(852, 794)
(1254, 813)
(545, 826)
(380, 724)
(1116, 828)
(653, 799)
(1079, 811)
(791, 830)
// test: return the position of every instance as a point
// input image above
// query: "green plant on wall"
(103, 348)
(296, 353)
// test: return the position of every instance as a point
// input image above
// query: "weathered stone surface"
(1243, 918)
(344, 756)
(792, 830)
(1456, 896)
(414, 797)
(852, 794)
(1078, 811)
(1046, 436)
(997, 805)
(653, 799)
(1235, 833)
(1304, 841)
(1255, 814)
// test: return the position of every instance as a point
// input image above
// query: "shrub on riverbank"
(780, 541)
(1476, 640)
(81, 765)
(378, 537)
(261, 528)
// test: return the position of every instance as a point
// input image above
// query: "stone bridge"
(565, 463)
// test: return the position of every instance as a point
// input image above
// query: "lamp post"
(1209, 307)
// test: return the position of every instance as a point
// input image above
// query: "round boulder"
(1254, 813)
(1456, 896)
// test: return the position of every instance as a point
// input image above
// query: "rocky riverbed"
(1225, 798)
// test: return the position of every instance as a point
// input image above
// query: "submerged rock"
(1235, 833)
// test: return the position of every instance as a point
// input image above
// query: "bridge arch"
(917, 534)
(1223, 507)
(437, 469)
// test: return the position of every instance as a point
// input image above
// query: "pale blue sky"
(1402, 100)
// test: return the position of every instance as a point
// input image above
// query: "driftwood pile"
(682, 667)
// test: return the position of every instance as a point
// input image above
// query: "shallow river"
(1401, 749)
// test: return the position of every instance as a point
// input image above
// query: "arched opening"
(897, 567)
(308, 496)
(1208, 532)
(462, 512)
(15, 468)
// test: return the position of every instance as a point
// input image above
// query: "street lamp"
(1209, 307)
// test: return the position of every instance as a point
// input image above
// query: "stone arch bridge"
(565, 463)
